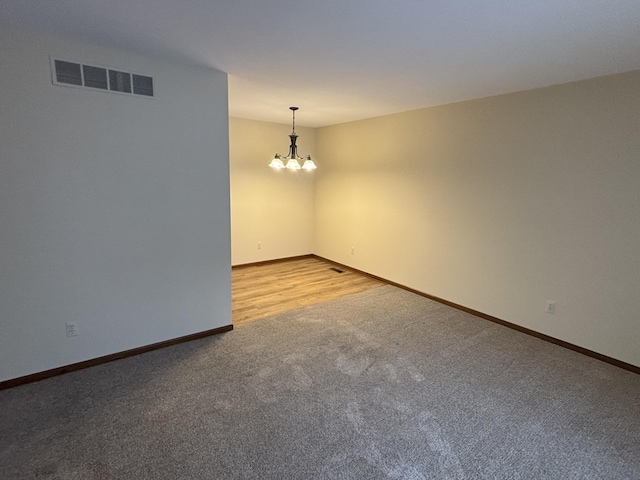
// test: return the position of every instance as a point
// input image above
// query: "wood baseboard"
(533, 333)
(275, 260)
(34, 377)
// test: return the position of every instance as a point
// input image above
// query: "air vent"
(95, 77)
(67, 72)
(337, 270)
(100, 78)
(119, 81)
(142, 85)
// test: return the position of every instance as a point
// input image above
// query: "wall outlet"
(353, 251)
(72, 329)
(551, 307)
(259, 246)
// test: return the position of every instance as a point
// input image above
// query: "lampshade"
(293, 164)
(276, 162)
(308, 163)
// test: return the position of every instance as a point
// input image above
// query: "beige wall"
(499, 204)
(270, 207)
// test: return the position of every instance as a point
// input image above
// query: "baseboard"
(533, 333)
(275, 260)
(34, 377)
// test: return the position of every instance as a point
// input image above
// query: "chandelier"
(292, 158)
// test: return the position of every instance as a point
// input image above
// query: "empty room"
(270, 240)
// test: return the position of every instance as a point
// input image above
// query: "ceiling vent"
(75, 74)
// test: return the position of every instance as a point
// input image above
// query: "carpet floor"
(382, 384)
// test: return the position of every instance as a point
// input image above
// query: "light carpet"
(382, 384)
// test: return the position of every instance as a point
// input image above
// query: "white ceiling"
(343, 60)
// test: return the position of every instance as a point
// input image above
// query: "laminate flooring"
(263, 290)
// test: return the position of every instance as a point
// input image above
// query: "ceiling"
(343, 60)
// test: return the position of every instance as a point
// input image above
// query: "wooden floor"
(260, 291)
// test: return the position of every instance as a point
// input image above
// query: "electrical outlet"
(259, 246)
(353, 251)
(72, 329)
(551, 307)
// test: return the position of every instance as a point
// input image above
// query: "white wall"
(270, 207)
(114, 210)
(500, 204)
